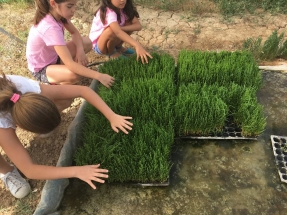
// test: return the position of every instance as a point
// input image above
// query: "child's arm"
(141, 52)
(79, 69)
(77, 39)
(60, 92)
(20, 157)
(134, 25)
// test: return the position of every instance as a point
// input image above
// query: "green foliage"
(196, 98)
(15, 1)
(170, 5)
(212, 88)
(235, 7)
(250, 115)
(145, 92)
(226, 7)
(200, 111)
(220, 68)
(273, 47)
(254, 46)
(161, 66)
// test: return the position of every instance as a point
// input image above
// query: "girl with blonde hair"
(36, 108)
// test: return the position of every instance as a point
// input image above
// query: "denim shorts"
(41, 75)
(97, 50)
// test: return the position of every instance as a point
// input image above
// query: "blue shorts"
(97, 50)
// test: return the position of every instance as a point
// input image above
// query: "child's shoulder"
(24, 84)
(18, 79)
(109, 10)
(46, 21)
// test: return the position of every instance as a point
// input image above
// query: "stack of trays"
(279, 145)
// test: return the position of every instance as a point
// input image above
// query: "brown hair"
(32, 112)
(43, 8)
(129, 10)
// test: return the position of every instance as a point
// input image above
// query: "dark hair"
(43, 8)
(129, 10)
(32, 112)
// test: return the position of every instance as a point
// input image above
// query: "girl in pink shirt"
(112, 25)
(50, 58)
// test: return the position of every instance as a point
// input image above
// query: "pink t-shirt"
(42, 38)
(98, 27)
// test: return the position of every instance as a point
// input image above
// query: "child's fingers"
(127, 117)
(85, 62)
(146, 59)
(107, 85)
(115, 129)
(142, 58)
(149, 55)
(96, 166)
(128, 123)
(128, 127)
(98, 180)
(91, 184)
(110, 84)
(124, 130)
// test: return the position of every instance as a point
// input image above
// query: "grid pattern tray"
(279, 146)
(229, 132)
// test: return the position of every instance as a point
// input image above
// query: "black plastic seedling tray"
(279, 145)
(152, 184)
(228, 132)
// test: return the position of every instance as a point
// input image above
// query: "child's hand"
(81, 58)
(106, 80)
(142, 53)
(92, 173)
(121, 122)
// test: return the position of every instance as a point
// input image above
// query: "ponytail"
(30, 111)
(42, 9)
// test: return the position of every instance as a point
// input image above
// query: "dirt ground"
(165, 31)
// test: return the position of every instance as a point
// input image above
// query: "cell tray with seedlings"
(215, 91)
(145, 92)
(279, 146)
(228, 132)
(207, 95)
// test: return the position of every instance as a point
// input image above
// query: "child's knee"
(74, 78)
(109, 33)
(87, 44)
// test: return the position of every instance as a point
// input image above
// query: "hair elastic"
(15, 97)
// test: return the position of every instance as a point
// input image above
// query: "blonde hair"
(32, 112)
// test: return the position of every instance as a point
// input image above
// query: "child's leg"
(4, 166)
(119, 46)
(107, 43)
(60, 74)
(17, 185)
(87, 44)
